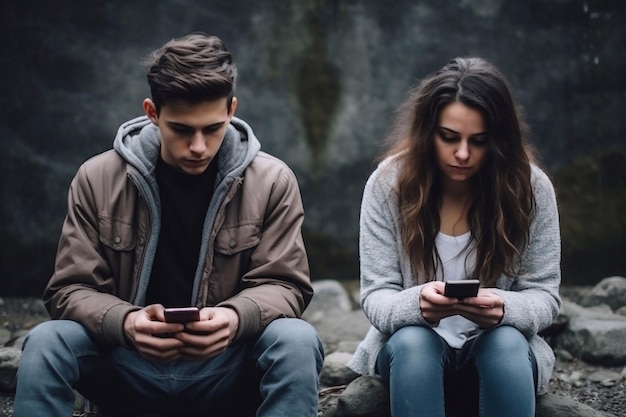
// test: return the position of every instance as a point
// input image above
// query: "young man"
(184, 211)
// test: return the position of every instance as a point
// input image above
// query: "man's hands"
(486, 309)
(201, 339)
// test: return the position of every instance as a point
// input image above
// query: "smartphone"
(182, 314)
(462, 289)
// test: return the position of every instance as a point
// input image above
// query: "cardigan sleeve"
(531, 299)
(389, 297)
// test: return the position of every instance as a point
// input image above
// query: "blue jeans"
(415, 363)
(251, 376)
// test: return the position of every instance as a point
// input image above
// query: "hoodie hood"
(138, 142)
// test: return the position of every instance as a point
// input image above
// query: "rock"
(36, 307)
(329, 297)
(349, 327)
(335, 370)
(563, 355)
(551, 405)
(5, 336)
(18, 342)
(605, 378)
(331, 312)
(9, 362)
(366, 396)
(610, 291)
(595, 335)
(348, 346)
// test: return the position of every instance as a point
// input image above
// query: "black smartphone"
(182, 314)
(462, 289)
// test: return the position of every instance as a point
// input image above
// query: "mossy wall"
(319, 83)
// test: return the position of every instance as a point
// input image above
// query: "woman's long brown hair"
(501, 211)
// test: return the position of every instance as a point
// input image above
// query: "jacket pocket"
(234, 239)
(116, 234)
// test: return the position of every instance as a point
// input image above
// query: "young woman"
(459, 196)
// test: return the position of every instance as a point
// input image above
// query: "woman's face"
(460, 143)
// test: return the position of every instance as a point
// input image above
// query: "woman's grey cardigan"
(390, 297)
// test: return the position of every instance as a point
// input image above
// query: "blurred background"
(319, 83)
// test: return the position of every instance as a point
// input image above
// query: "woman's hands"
(486, 309)
(155, 339)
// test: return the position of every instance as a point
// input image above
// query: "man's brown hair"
(191, 69)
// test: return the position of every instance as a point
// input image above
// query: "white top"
(458, 262)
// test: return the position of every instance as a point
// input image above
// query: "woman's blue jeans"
(276, 374)
(415, 359)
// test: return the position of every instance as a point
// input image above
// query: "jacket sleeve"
(277, 283)
(82, 287)
(531, 299)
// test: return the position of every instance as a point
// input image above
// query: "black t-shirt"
(184, 199)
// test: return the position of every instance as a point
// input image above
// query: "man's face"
(191, 134)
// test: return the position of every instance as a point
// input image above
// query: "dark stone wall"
(319, 82)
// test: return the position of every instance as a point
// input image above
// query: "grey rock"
(18, 342)
(329, 297)
(552, 405)
(348, 346)
(610, 291)
(5, 336)
(595, 335)
(36, 307)
(333, 315)
(602, 375)
(335, 370)
(349, 327)
(366, 396)
(9, 362)
(18, 338)
(563, 355)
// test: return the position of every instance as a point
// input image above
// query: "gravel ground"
(592, 385)
(6, 405)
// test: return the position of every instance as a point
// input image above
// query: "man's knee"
(55, 333)
(288, 330)
(295, 336)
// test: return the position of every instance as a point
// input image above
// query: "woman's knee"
(503, 350)
(415, 338)
(412, 354)
(502, 339)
